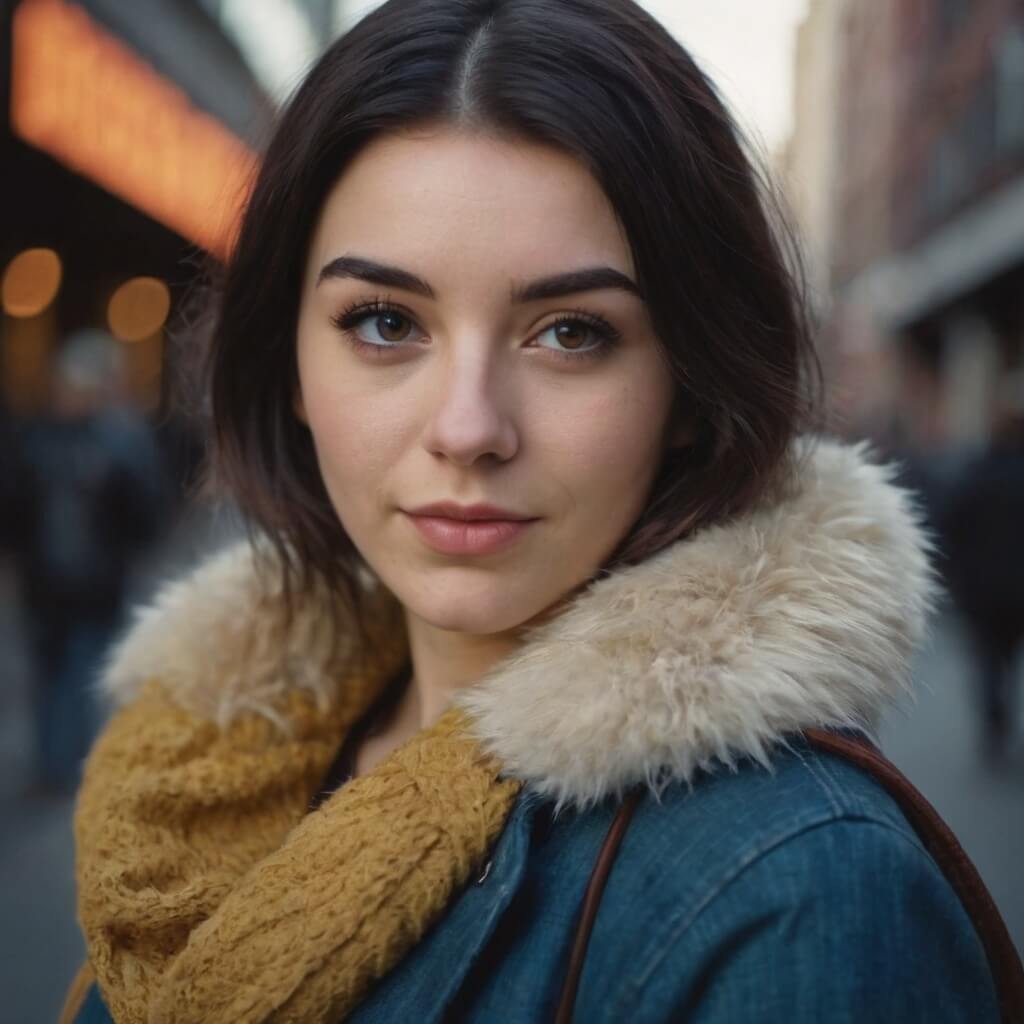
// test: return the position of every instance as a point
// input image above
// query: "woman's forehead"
(457, 198)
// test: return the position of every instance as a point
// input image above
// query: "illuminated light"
(31, 281)
(84, 97)
(138, 309)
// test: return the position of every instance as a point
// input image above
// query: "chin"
(473, 614)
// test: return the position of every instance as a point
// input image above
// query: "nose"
(470, 414)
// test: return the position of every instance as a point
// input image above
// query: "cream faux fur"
(803, 612)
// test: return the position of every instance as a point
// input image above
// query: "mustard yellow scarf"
(207, 893)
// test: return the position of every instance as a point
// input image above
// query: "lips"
(451, 536)
(469, 513)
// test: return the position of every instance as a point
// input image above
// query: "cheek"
(348, 438)
(610, 446)
(353, 446)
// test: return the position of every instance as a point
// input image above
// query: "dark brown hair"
(603, 81)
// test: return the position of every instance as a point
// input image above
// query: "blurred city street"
(40, 948)
(934, 742)
(41, 945)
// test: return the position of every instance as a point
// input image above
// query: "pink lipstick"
(479, 529)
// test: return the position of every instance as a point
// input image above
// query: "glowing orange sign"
(81, 95)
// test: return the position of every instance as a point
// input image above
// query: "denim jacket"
(799, 897)
(759, 880)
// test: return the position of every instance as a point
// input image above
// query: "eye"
(390, 326)
(572, 335)
(581, 335)
(374, 325)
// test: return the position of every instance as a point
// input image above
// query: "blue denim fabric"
(800, 896)
(93, 1010)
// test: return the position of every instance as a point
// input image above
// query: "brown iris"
(571, 335)
(390, 326)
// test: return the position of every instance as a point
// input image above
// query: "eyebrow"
(588, 279)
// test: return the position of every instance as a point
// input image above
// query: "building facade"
(925, 332)
(127, 132)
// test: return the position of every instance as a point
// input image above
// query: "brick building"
(925, 332)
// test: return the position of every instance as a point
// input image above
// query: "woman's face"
(439, 381)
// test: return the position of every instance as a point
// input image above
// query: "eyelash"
(349, 318)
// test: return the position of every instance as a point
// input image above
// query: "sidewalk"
(40, 947)
(935, 743)
(40, 944)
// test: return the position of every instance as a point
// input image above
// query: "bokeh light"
(31, 282)
(138, 309)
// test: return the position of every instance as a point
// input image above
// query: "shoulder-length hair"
(605, 82)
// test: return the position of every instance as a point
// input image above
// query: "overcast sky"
(746, 47)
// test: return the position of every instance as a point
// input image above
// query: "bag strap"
(591, 901)
(946, 851)
(934, 833)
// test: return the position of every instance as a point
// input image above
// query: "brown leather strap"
(591, 901)
(949, 855)
(76, 993)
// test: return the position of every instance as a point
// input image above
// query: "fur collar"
(803, 612)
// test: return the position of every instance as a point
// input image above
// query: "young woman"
(512, 381)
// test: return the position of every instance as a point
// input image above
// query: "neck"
(444, 662)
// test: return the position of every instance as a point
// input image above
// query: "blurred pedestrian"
(84, 496)
(983, 536)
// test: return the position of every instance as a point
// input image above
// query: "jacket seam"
(854, 804)
(632, 988)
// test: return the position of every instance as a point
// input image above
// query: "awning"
(981, 243)
(80, 94)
